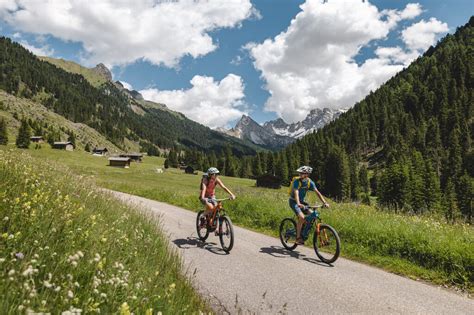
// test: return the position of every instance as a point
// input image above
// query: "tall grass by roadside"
(417, 247)
(65, 246)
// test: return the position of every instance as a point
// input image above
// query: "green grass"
(65, 245)
(417, 247)
(94, 78)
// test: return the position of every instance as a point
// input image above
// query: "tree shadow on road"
(194, 242)
(281, 252)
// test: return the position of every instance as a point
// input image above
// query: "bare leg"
(299, 225)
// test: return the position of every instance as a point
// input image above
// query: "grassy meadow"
(417, 247)
(65, 246)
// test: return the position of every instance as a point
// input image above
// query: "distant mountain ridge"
(316, 119)
(277, 134)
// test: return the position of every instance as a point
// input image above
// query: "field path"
(259, 276)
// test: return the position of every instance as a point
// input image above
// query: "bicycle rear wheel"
(326, 243)
(201, 226)
(288, 233)
(226, 233)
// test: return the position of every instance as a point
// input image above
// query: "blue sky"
(216, 60)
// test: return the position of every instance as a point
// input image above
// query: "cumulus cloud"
(38, 51)
(127, 85)
(121, 32)
(311, 64)
(208, 102)
(422, 35)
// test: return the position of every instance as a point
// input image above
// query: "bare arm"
(320, 196)
(220, 183)
(203, 189)
(297, 198)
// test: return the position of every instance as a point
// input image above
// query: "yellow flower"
(124, 309)
(149, 311)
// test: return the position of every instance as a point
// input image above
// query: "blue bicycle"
(326, 242)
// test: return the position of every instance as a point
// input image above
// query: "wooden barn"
(37, 139)
(189, 170)
(134, 157)
(63, 145)
(123, 162)
(100, 151)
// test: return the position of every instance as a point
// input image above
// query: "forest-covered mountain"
(409, 143)
(105, 108)
(414, 134)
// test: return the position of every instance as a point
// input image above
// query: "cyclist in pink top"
(208, 187)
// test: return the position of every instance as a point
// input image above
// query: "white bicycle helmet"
(212, 170)
(305, 169)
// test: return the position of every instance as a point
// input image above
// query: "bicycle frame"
(218, 209)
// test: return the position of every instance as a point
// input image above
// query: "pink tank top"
(210, 188)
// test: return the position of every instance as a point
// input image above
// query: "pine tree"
(167, 163)
(72, 138)
(465, 193)
(432, 191)
(87, 148)
(364, 179)
(3, 132)
(257, 166)
(24, 135)
(354, 179)
(450, 204)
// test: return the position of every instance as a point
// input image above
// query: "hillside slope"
(415, 132)
(106, 108)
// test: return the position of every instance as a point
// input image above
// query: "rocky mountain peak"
(102, 70)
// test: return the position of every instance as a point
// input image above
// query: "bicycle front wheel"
(326, 243)
(226, 233)
(288, 233)
(201, 226)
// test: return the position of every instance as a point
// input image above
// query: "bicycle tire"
(284, 233)
(202, 235)
(331, 243)
(226, 222)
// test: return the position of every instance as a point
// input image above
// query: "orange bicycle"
(217, 222)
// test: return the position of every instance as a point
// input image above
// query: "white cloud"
(311, 64)
(38, 51)
(127, 85)
(422, 35)
(208, 102)
(121, 32)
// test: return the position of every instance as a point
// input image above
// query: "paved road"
(259, 276)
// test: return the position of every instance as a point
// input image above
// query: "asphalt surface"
(260, 276)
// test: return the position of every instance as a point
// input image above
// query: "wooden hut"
(119, 162)
(63, 145)
(100, 151)
(189, 170)
(37, 139)
(134, 157)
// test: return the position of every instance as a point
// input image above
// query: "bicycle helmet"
(305, 169)
(212, 170)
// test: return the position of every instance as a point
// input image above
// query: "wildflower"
(6, 219)
(19, 255)
(124, 309)
(57, 289)
(11, 272)
(70, 294)
(2, 260)
(21, 307)
(103, 295)
(28, 272)
(47, 284)
(43, 302)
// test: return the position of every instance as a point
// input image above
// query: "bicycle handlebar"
(224, 199)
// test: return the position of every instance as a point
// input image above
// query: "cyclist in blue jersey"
(298, 188)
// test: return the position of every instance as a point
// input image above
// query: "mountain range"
(277, 134)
